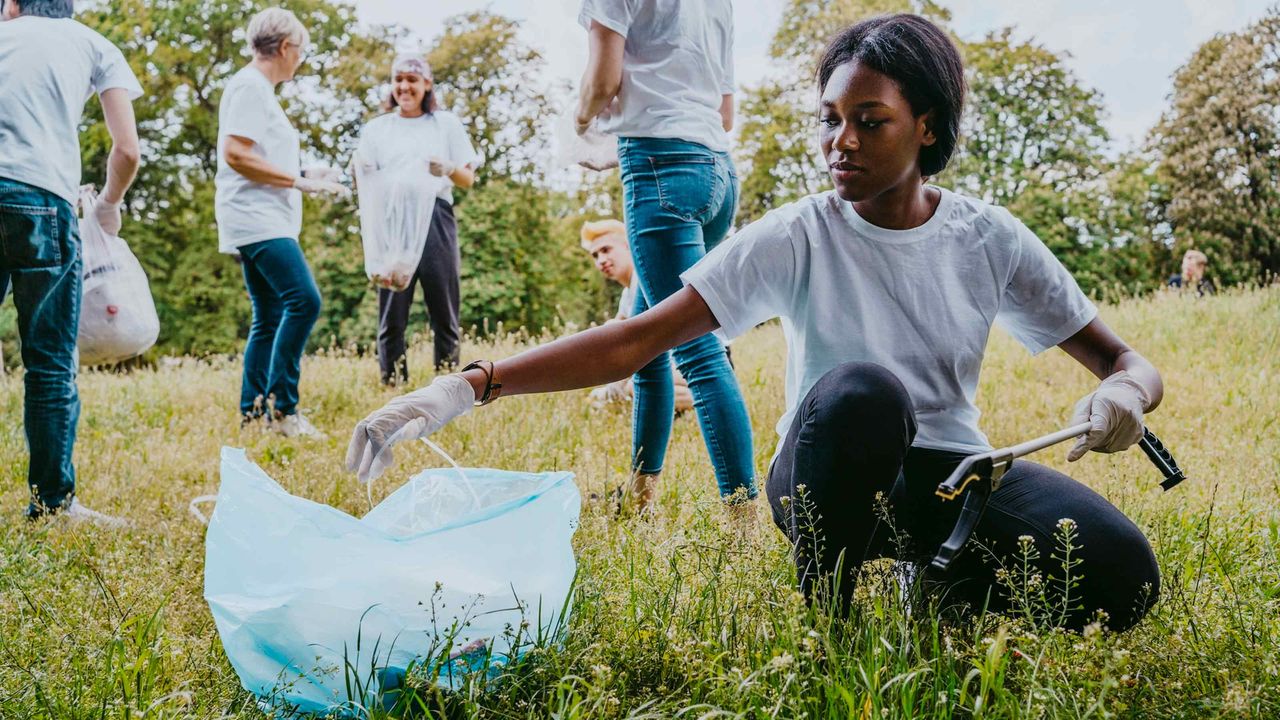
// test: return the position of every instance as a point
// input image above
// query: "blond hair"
(1196, 257)
(271, 28)
(593, 231)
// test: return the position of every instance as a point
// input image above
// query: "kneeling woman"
(887, 288)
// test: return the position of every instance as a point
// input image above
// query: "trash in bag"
(593, 149)
(118, 317)
(456, 572)
(396, 204)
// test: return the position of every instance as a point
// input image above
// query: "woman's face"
(409, 89)
(870, 139)
(293, 53)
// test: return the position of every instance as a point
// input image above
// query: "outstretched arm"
(603, 354)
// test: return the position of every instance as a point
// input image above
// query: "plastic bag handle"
(368, 487)
(89, 197)
(191, 507)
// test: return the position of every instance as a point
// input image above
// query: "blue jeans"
(40, 260)
(680, 198)
(286, 304)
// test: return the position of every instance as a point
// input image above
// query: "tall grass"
(688, 613)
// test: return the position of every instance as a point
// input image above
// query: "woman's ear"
(925, 129)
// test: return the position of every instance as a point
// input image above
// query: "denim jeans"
(40, 260)
(680, 198)
(286, 304)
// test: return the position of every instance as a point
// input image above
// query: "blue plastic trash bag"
(317, 609)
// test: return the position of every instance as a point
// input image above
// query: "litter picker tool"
(979, 475)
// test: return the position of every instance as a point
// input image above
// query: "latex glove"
(408, 417)
(315, 187)
(440, 168)
(108, 216)
(1115, 409)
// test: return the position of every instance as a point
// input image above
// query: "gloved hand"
(440, 168)
(408, 417)
(1115, 409)
(315, 187)
(108, 216)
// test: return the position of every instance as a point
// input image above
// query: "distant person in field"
(660, 77)
(888, 288)
(49, 66)
(415, 131)
(606, 240)
(1192, 277)
(258, 207)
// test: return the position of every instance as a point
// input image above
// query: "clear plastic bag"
(118, 317)
(593, 149)
(459, 571)
(396, 205)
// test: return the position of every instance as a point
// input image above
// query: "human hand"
(108, 216)
(1115, 409)
(315, 187)
(408, 417)
(322, 172)
(440, 167)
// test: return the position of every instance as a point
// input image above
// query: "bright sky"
(1127, 49)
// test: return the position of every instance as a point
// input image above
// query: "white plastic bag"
(593, 149)
(316, 608)
(396, 205)
(117, 314)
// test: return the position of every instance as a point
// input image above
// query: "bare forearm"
(594, 97)
(259, 170)
(122, 167)
(1140, 369)
(603, 78)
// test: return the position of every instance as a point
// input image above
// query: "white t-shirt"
(392, 141)
(919, 302)
(49, 68)
(676, 66)
(627, 303)
(249, 212)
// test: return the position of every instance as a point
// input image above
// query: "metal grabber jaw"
(977, 476)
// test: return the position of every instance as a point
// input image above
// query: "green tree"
(1220, 140)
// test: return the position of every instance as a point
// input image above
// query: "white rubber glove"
(322, 172)
(440, 168)
(408, 417)
(108, 216)
(315, 187)
(1115, 409)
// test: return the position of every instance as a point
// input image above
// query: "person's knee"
(858, 395)
(305, 304)
(1132, 586)
(701, 358)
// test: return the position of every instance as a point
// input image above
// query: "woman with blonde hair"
(258, 207)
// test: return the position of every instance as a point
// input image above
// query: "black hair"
(924, 62)
(44, 8)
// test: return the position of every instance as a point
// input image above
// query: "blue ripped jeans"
(680, 198)
(40, 261)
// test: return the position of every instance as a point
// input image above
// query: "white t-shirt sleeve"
(246, 112)
(1042, 304)
(461, 152)
(750, 278)
(613, 14)
(726, 63)
(112, 71)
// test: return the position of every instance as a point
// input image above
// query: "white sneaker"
(297, 426)
(77, 512)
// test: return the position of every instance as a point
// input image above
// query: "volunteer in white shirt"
(417, 133)
(887, 288)
(661, 72)
(606, 240)
(258, 206)
(49, 66)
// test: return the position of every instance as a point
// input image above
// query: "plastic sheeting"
(316, 608)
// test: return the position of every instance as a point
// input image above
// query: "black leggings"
(851, 442)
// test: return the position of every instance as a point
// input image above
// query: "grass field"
(683, 614)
